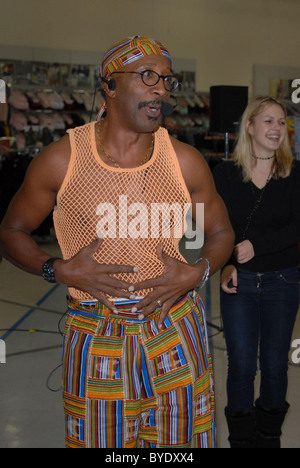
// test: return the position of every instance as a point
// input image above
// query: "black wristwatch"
(47, 270)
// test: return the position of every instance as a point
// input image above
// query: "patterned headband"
(127, 51)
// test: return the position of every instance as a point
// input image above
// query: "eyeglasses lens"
(151, 78)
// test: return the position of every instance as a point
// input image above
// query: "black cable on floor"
(28, 306)
(54, 390)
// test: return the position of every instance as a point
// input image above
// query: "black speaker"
(227, 104)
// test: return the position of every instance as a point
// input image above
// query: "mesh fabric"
(97, 200)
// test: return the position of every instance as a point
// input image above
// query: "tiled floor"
(31, 414)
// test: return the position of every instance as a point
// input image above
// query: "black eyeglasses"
(151, 78)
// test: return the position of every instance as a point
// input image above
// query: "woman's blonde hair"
(243, 154)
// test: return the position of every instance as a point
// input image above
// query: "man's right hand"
(83, 272)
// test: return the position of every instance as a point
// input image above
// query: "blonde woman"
(260, 283)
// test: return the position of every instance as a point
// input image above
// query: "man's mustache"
(157, 104)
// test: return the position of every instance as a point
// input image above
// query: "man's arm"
(30, 206)
(218, 232)
(179, 278)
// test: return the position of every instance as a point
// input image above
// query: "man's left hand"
(177, 279)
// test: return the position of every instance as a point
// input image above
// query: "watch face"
(47, 270)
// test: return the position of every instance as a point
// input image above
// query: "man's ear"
(109, 84)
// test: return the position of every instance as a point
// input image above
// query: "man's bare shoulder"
(193, 166)
(51, 164)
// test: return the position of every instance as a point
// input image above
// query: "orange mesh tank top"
(133, 210)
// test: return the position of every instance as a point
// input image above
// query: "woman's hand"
(244, 252)
(229, 273)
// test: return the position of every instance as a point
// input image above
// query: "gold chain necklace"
(149, 152)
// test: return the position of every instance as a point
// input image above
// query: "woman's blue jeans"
(258, 324)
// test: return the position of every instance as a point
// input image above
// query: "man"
(137, 371)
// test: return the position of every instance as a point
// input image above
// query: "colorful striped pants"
(128, 383)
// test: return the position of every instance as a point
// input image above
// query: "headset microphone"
(167, 109)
